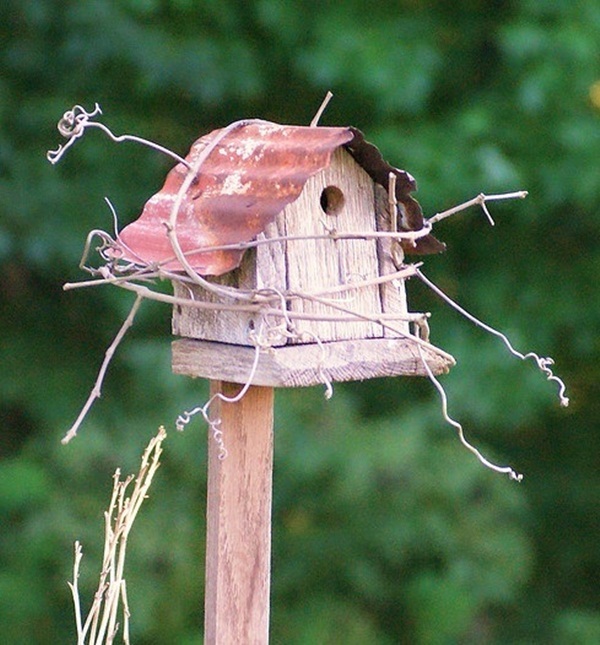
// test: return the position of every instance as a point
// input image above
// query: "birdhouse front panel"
(336, 201)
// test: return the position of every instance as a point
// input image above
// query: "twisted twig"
(97, 389)
(74, 122)
(461, 435)
(543, 363)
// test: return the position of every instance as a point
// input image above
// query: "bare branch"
(324, 104)
(111, 594)
(480, 200)
(392, 202)
(97, 389)
(263, 297)
(75, 593)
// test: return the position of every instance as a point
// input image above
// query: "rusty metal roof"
(245, 175)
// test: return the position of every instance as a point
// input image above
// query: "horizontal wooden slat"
(305, 365)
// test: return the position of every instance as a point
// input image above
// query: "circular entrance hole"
(332, 200)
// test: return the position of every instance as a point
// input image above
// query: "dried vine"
(270, 304)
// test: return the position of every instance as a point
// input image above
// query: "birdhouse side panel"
(217, 319)
(339, 199)
(227, 321)
(393, 292)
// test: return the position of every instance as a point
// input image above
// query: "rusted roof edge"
(370, 159)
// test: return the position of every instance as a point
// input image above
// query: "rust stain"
(253, 172)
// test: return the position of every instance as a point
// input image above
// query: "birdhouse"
(285, 246)
(281, 237)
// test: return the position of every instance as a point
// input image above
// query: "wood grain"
(310, 266)
(315, 265)
(393, 293)
(238, 547)
(305, 365)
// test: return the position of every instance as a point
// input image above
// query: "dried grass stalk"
(100, 626)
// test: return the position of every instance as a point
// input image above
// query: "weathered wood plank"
(238, 547)
(308, 266)
(315, 265)
(393, 293)
(306, 365)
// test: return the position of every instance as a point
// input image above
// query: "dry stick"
(378, 319)
(156, 272)
(107, 559)
(131, 507)
(97, 389)
(392, 201)
(331, 234)
(542, 363)
(481, 199)
(74, 123)
(126, 613)
(112, 606)
(74, 586)
(315, 121)
(113, 279)
(499, 469)
(97, 620)
(145, 292)
(101, 620)
(262, 303)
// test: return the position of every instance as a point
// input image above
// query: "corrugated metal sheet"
(245, 175)
(410, 214)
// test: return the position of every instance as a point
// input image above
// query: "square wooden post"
(238, 545)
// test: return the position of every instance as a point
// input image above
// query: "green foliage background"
(385, 529)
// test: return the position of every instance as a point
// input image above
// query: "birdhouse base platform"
(307, 365)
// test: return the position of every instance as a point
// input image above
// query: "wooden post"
(238, 545)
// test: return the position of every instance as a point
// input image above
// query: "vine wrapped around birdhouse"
(292, 237)
(285, 246)
(286, 249)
